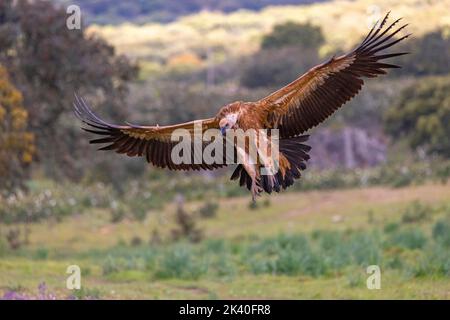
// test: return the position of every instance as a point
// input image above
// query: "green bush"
(208, 209)
(136, 241)
(223, 265)
(138, 210)
(86, 294)
(421, 115)
(441, 232)
(320, 253)
(180, 262)
(41, 254)
(436, 261)
(354, 279)
(391, 227)
(430, 55)
(118, 212)
(416, 212)
(364, 249)
(52, 202)
(293, 34)
(292, 262)
(412, 238)
(110, 265)
(3, 246)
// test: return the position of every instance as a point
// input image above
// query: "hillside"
(239, 33)
(116, 11)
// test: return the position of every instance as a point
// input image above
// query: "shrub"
(431, 55)
(284, 254)
(52, 202)
(186, 226)
(421, 115)
(41, 254)
(321, 253)
(180, 262)
(118, 212)
(276, 67)
(138, 210)
(416, 212)
(155, 238)
(110, 265)
(364, 249)
(293, 34)
(215, 246)
(136, 241)
(223, 265)
(443, 172)
(436, 261)
(391, 227)
(16, 142)
(403, 179)
(13, 238)
(86, 294)
(441, 232)
(209, 209)
(3, 245)
(291, 262)
(409, 239)
(354, 279)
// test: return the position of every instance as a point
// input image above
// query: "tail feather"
(295, 152)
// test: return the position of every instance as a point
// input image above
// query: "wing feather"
(313, 97)
(152, 142)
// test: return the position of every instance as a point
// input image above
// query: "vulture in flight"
(292, 110)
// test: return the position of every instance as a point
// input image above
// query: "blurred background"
(375, 192)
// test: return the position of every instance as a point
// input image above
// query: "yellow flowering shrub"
(16, 143)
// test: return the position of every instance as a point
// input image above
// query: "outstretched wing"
(153, 142)
(309, 100)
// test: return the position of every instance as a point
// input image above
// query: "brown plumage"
(293, 109)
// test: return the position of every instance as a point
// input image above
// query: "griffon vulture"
(293, 110)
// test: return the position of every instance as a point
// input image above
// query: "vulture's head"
(228, 122)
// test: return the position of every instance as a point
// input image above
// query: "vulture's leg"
(251, 167)
(266, 156)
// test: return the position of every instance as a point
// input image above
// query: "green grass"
(300, 245)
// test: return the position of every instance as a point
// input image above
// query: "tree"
(429, 55)
(48, 63)
(16, 142)
(293, 34)
(422, 115)
(277, 67)
(286, 52)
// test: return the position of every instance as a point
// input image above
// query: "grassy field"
(297, 245)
